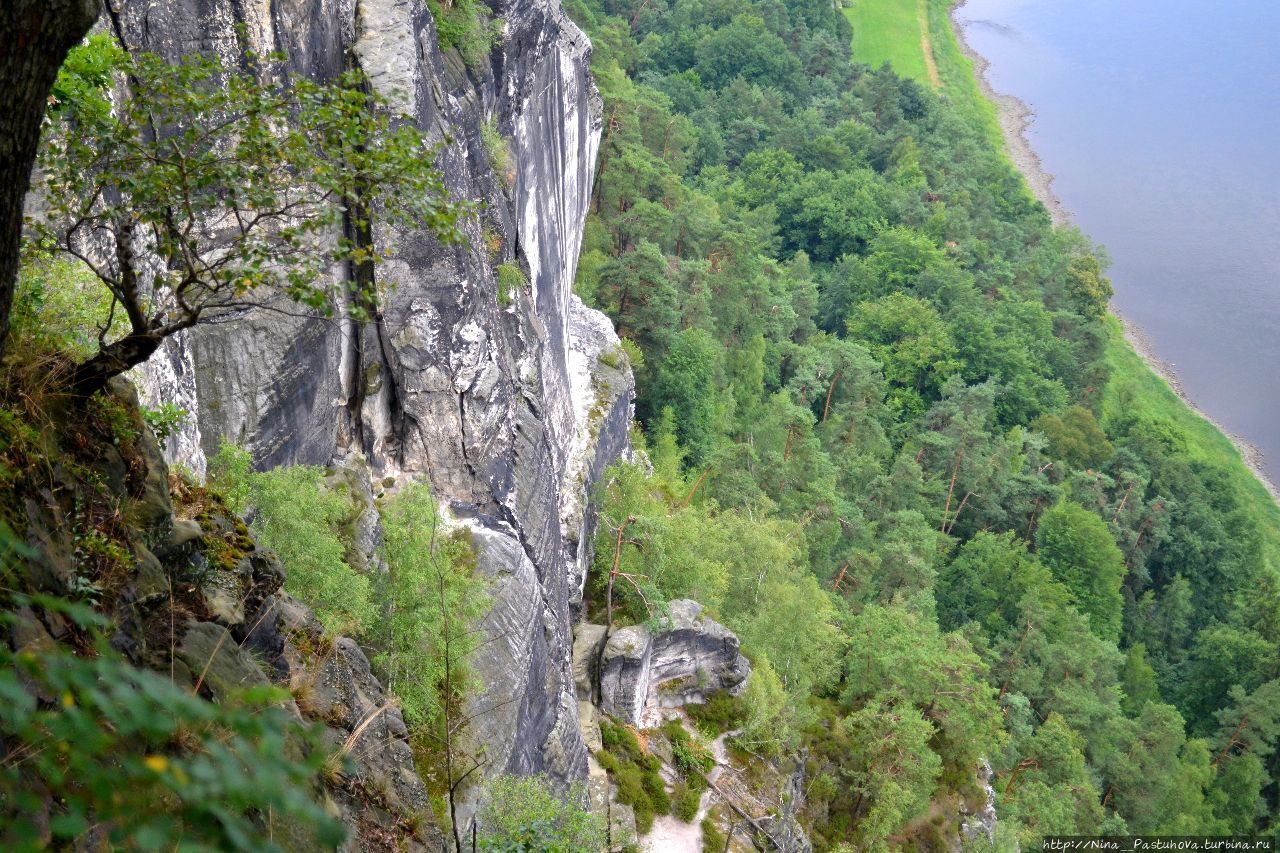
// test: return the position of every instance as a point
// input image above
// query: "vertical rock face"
(509, 407)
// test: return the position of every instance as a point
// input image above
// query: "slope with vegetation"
(896, 448)
(183, 664)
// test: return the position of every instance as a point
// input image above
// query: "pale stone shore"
(1015, 118)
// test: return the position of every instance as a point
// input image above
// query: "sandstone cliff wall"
(505, 407)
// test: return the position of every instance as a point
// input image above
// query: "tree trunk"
(91, 376)
(35, 36)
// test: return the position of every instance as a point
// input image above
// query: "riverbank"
(1014, 118)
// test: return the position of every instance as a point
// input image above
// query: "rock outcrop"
(642, 672)
(510, 405)
(979, 826)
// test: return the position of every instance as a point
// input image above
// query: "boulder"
(643, 672)
(587, 642)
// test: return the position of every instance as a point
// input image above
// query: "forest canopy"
(874, 392)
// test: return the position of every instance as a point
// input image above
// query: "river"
(1160, 122)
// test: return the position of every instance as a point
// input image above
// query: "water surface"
(1160, 120)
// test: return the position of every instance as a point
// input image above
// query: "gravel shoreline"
(1015, 118)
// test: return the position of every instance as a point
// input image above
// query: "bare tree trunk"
(35, 36)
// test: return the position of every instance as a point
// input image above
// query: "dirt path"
(672, 835)
(926, 44)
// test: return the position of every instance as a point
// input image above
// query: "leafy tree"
(1088, 288)
(1078, 549)
(1075, 437)
(524, 815)
(986, 582)
(909, 338)
(235, 181)
(1223, 659)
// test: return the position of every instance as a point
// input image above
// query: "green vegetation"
(467, 27)
(137, 762)
(164, 420)
(511, 280)
(889, 31)
(303, 520)
(498, 151)
(1135, 393)
(417, 618)
(900, 449)
(713, 840)
(634, 773)
(959, 80)
(431, 598)
(524, 815)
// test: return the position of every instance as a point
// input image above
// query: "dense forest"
(885, 433)
(871, 384)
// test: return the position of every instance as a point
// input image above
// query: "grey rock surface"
(507, 410)
(588, 643)
(980, 826)
(643, 672)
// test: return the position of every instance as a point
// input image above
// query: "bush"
(498, 151)
(526, 815)
(685, 801)
(511, 279)
(128, 757)
(464, 25)
(719, 714)
(163, 421)
(691, 757)
(713, 839)
(60, 305)
(433, 598)
(298, 516)
(634, 772)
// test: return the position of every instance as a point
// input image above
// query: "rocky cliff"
(509, 404)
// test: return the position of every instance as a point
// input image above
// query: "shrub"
(497, 149)
(720, 713)
(634, 772)
(713, 840)
(464, 26)
(691, 757)
(295, 514)
(526, 815)
(432, 598)
(510, 280)
(60, 305)
(164, 420)
(685, 801)
(129, 754)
